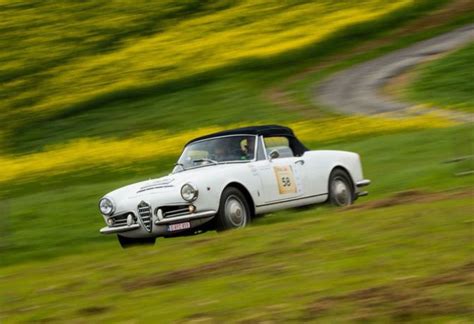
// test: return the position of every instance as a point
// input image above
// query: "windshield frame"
(223, 162)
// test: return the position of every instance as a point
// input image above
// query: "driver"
(220, 151)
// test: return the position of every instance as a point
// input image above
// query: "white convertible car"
(222, 180)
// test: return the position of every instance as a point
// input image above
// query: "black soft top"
(265, 130)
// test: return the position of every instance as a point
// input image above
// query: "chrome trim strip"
(273, 202)
(362, 183)
(154, 187)
(186, 217)
(121, 229)
(264, 147)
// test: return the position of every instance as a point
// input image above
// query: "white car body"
(258, 179)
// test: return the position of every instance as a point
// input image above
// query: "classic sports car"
(222, 180)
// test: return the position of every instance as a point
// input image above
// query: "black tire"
(127, 242)
(234, 210)
(340, 188)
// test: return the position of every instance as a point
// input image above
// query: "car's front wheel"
(341, 191)
(234, 210)
(126, 242)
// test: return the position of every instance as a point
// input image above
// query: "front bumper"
(118, 229)
(160, 222)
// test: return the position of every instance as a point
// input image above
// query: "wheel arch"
(245, 192)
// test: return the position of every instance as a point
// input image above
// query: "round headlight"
(106, 206)
(189, 192)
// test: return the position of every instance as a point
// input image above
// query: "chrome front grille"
(120, 220)
(144, 211)
(175, 211)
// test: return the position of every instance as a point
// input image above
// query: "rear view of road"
(358, 90)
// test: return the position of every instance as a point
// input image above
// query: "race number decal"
(285, 178)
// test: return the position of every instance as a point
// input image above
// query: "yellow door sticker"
(285, 178)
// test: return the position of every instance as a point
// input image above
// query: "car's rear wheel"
(341, 191)
(126, 242)
(234, 210)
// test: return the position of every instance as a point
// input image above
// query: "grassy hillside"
(239, 84)
(393, 263)
(447, 82)
(120, 127)
(80, 51)
(121, 142)
(99, 95)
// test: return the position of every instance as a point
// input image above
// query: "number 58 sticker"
(285, 178)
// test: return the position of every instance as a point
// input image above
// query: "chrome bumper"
(119, 229)
(360, 184)
(165, 221)
(203, 214)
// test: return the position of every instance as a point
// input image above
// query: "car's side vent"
(120, 220)
(175, 211)
(144, 211)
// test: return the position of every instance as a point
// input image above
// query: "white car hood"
(133, 190)
(172, 182)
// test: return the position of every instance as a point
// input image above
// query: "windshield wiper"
(205, 160)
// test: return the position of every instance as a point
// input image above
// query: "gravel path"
(358, 90)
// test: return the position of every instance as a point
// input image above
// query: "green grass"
(314, 264)
(447, 82)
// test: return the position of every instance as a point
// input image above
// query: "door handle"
(299, 162)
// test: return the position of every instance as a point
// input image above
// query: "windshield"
(217, 150)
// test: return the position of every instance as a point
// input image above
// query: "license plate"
(179, 227)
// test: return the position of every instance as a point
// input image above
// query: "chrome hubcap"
(235, 211)
(341, 192)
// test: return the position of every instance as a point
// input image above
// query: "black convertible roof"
(266, 130)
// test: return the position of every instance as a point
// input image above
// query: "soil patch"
(411, 196)
(93, 310)
(230, 265)
(403, 300)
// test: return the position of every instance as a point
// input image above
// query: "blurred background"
(99, 94)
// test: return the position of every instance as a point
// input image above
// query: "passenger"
(248, 149)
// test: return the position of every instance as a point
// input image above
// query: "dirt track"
(358, 90)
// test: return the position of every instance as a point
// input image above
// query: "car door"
(282, 176)
(315, 174)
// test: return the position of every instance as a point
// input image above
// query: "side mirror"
(274, 155)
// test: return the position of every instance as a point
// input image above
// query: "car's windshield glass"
(218, 150)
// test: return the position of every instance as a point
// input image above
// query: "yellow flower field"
(113, 153)
(76, 71)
